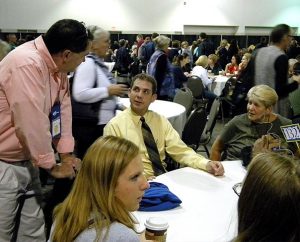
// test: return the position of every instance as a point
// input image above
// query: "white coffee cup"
(156, 229)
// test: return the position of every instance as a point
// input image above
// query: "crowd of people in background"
(266, 79)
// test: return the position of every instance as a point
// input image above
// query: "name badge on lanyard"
(55, 121)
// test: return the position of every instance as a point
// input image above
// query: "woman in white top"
(93, 83)
(109, 185)
(201, 71)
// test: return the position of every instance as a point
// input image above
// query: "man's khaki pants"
(21, 216)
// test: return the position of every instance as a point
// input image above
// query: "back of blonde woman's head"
(268, 206)
(162, 42)
(93, 192)
(263, 94)
(202, 61)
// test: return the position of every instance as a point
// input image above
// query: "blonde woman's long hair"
(91, 201)
(268, 206)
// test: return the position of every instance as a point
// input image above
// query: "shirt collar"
(42, 49)
(136, 118)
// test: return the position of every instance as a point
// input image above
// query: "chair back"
(184, 97)
(213, 114)
(195, 84)
(194, 127)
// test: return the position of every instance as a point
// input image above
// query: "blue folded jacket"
(158, 198)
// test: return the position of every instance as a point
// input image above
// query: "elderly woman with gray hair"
(243, 130)
(93, 83)
(161, 69)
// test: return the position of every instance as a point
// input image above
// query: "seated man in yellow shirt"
(129, 125)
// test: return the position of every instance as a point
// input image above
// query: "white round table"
(174, 112)
(218, 85)
(208, 211)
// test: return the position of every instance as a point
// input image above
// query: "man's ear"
(154, 97)
(66, 54)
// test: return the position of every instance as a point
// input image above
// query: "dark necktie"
(152, 148)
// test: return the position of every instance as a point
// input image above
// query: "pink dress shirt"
(29, 86)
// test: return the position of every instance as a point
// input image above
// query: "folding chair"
(184, 97)
(194, 127)
(211, 122)
(195, 84)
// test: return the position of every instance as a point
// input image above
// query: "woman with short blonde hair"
(96, 208)
(263, 94)
(202, 61)
(200, 71)
(243, 130)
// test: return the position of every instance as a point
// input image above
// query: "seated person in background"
(243, 130)
(243, 83)
(109, 185)
(200, 71)
(232, 67)
(179, 62)
(244, 63)
(213, 64)
(268, 206)
(137, 124)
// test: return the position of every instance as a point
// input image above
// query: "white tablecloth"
(174, 112)
(209, 205)
(219, 84)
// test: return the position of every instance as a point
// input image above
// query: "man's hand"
(215, 167)
(117, 90)
(68, 167)
(265, 144)
(72, 160)
(63, 170)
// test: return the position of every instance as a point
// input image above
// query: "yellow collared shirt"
(127, 125)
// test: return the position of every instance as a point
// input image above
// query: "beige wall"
(149, 15)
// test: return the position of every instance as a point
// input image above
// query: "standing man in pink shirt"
(35, 114)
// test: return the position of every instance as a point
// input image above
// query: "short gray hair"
(97, 32)
(161, 42)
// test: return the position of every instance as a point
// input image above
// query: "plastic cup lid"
(156, 223)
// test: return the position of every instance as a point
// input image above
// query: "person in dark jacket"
(123, 59)
(179, 75)
(161, 69)
(206, 47)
